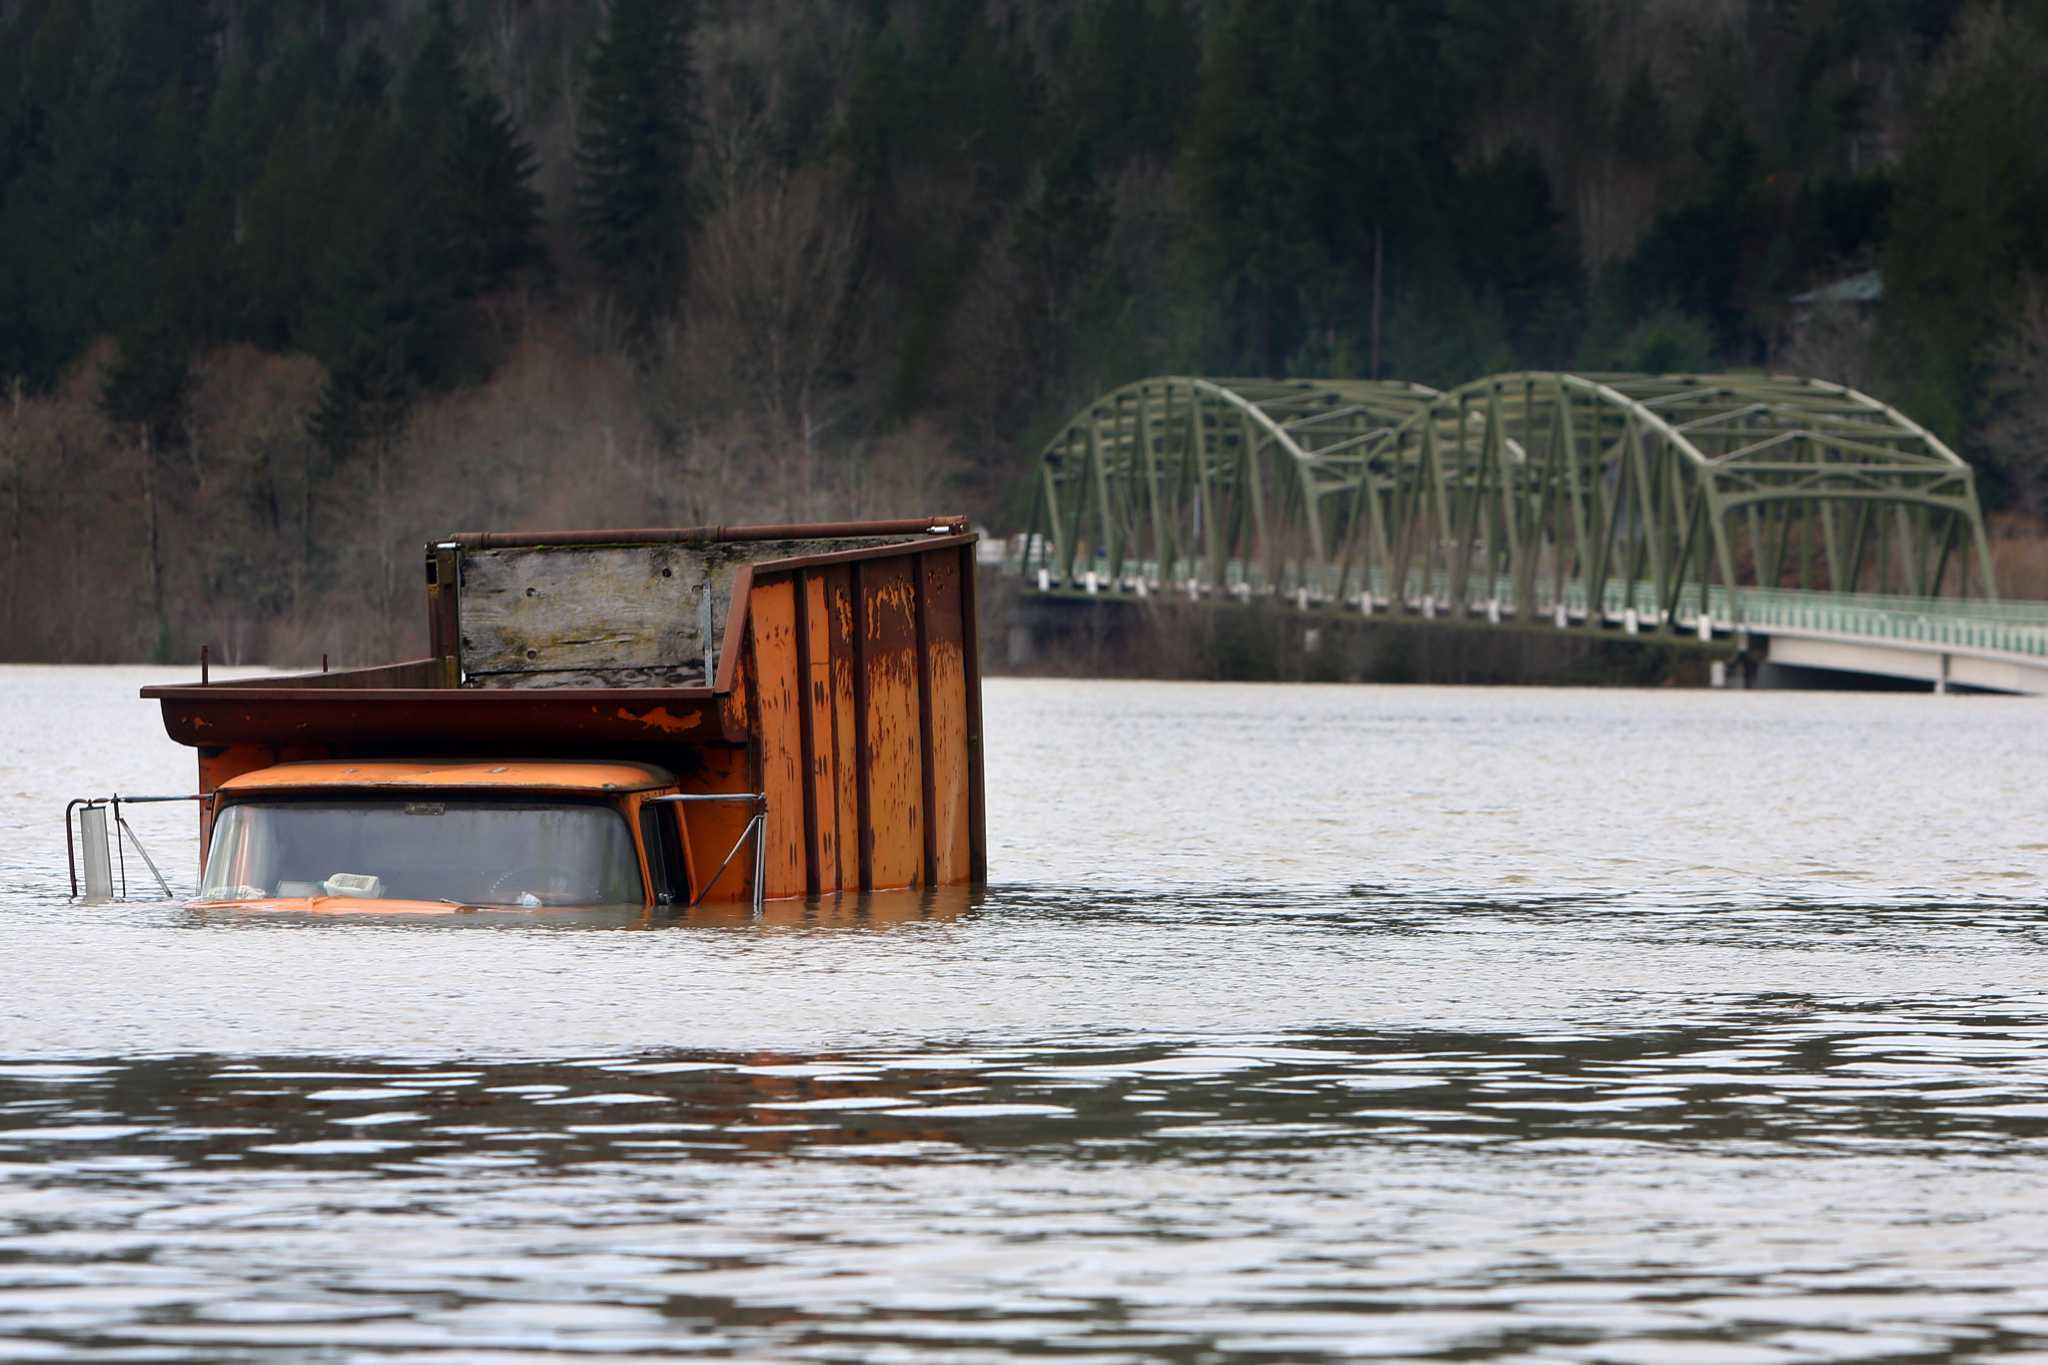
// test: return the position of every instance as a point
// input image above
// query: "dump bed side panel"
(864, 722)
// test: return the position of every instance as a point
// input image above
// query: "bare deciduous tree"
(773, 294)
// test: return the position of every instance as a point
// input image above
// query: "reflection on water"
(1802, 1180)
(1301, 1022)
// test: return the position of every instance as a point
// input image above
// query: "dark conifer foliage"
(1425, 188)
(633, 151)
(273, 264)
(106, 104)
(287, 184)
(1030, 201)
(493, 213)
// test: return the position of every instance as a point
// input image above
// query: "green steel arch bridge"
(1797, 516)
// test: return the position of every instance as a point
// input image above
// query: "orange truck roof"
(518, 775)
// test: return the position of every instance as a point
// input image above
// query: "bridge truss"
(1655, 497)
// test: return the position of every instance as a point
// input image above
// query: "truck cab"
(425, 835)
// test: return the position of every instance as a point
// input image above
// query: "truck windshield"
(469, 852)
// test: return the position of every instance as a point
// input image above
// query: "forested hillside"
(289, 286)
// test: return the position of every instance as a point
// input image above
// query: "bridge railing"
(1995, 627)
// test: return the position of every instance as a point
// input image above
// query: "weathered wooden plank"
(772, 622)
(894, 754)
(611, 615)
(611, 607)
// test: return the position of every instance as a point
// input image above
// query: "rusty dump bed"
(830, 668)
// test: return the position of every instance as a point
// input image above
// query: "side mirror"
(92, 841)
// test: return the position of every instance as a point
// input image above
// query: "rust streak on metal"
(811, 689)
(659, 718)
(864, 825)
(893, 755)
(970, 669)
(949, 810)
(927, 790)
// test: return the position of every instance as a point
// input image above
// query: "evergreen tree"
(471, 172)
(432, 206)
(633, 151)
(378, 309)
(383, 322)
(493, 212)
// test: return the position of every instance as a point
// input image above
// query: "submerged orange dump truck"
(644, 717)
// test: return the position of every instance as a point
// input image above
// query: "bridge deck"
(1992, 646)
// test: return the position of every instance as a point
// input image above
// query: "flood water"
(1297, 1023)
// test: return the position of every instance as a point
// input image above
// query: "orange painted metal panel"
(772, 622)
(518, 774)
(894, 754)
(711, 828)
(945, 665)
(838, 582)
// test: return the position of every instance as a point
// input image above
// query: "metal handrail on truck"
(756, 829)
(95, 838)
